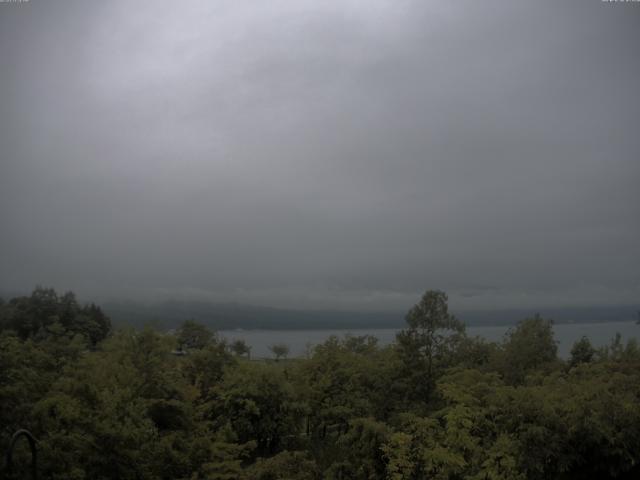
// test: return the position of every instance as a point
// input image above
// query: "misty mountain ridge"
(231, 315)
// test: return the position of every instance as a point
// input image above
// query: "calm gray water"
(299, 340)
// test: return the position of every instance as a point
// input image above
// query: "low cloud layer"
(338, 154)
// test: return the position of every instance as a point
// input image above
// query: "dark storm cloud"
(330, 154)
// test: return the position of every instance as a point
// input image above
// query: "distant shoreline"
(169, 314)
(400, 327)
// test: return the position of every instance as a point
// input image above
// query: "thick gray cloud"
(342, 154)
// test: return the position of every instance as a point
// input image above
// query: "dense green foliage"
(141, 404)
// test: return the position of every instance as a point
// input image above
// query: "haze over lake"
(299, 341)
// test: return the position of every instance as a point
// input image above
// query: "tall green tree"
(581, 352)
(527, 347)
(427, 345)
(45, 313)
(240, 348)
(280, 350)
(193, 335)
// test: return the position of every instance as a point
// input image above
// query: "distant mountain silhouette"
(227, 316)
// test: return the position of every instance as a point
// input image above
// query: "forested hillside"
(437, 404)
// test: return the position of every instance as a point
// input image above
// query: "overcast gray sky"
(326, 154)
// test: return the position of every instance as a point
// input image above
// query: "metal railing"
(34, 453)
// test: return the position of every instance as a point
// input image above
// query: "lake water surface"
(300, 340)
